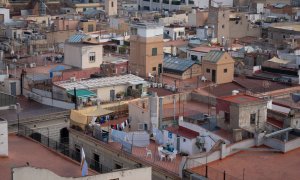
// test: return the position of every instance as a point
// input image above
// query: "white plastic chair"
(172, 157)
(161, 155)
(148, 152)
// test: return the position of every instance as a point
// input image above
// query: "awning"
(82, 93)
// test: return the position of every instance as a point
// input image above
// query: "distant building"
(197, 18)
(181, 68)
(280, 33)
(82, 55)
(87, 25)
(105, 88)
(218, 67)
(241, 112)
(146, 49)
(174, 32)
(111, 7)
(229, 25)
(169, 5)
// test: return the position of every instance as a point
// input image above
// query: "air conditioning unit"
(72, 79)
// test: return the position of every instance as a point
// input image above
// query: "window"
(225, 70)
(252, 118)
(194, 57)
(181, 33)
(92, 57)
(227, 117)
(208, 70)
(184, 140)
(223, 26)
(90, 28)
(143, 127)
(154, 69)
(154, 51)
(112, 4)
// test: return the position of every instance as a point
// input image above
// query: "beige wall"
(232, 30)
(197, 18)
(240, 116)
(195, 70)
(141, 59)
(104, 93)
(138, 115)
(84, 26)
(111, 7)
(65, 24)
(29, 173)
(77, 55)
(59, 36)
(226, 62)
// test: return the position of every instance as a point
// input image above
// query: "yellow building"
(218, 67)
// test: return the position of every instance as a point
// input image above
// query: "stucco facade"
(250, 113)
(146, 50)
(220, 72)
(83, 55)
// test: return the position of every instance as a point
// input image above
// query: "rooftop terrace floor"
(22, 150)
(259, 165)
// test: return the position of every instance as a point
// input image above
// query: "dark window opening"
(252, 118)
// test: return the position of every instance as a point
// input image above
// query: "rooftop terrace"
(21, 152)
(257, 165)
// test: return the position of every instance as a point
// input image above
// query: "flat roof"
(101, 82)
(241, 99)
(287, 26)
(257, 165)
(23, 150)
(184, 132)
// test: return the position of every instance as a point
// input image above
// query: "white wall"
(78, 56)
(6, 14)
(48, 101)
(29, 173)
(3, 138)
(186, 145)
(7, 85)
(174, 32)
(150, 32)
(280, 108)
(209, 137)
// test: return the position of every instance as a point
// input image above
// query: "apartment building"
(146, 49)
(173, 5)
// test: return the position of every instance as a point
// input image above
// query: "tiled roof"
(213, 56)
(240, 99)
(177, 64)
(184, 132)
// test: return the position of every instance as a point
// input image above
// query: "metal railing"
(62, 148)
(209, 173)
